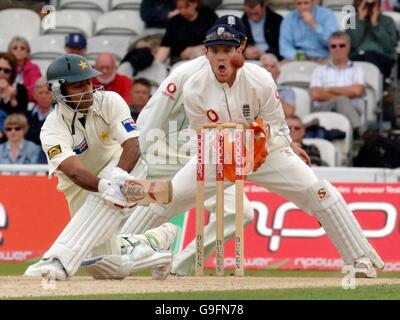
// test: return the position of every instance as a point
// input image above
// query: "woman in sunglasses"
(27, 72)
(17, 150)
(13, 96)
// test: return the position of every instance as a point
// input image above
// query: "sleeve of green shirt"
(385, 34)
(357, 34)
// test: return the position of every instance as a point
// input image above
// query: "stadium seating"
(71, 21)
(336, 4)
(326, 148)
(282, 12)
(4, 41)
(114, 44)
(156, 73)
(303, 102)
(19, 22)
(297, 73)
(120, 22)
(94, 7)
(125, 4)
(232, 4)
(47, 46)
(231, 12)
(334, 120)
(43, 64)
(373, 91)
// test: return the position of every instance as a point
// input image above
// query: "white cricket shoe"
(142, 257)
(364, 268)
(47, 268)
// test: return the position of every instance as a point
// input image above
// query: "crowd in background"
(308, 32)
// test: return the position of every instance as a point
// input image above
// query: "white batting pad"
(145, 218)
(328, 205)
(93, 224)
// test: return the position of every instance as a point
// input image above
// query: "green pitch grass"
(372, 292)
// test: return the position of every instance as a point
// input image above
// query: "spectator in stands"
(287, 95)
(76, 43)
(185, 33)
(339, 85)
(110, 79)
(141, 93)
(13, 96)
(156, 13)
(40, 111)
(17, 150)
(262, 25)
(305, 32)
(374, 39)
(27, 72)
(297, 132)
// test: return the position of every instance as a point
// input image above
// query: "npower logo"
(3, 221)
(277, 231)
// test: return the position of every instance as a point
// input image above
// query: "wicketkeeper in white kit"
(91, 144)
(242, 95)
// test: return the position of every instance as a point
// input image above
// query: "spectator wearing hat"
(75, 43)
(262, 25)
(110, 79)
(27, 72)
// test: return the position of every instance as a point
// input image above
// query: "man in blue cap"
(75, 43)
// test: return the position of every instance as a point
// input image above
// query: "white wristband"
(103, 185)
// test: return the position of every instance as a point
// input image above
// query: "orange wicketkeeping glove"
(261, 137)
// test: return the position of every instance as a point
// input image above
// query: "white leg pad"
(93, 224)
(328, 205)
(184, 261)
(145, 218)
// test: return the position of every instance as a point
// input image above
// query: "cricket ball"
(237, 60)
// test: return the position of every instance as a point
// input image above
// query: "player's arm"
(352, 91)
(130, 154)
(74, 169)
(321, 94)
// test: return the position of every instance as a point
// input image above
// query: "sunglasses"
(341, 45)
(5, 70)
(294, 128)
(13, 128)
(19, 47)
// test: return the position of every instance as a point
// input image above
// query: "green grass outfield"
(370, 292)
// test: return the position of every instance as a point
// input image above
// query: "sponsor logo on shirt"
(81, 147)
(53, 151)
(169, 92)
(322, 193)
(212, 115)
(246, 111)
(129, 125)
